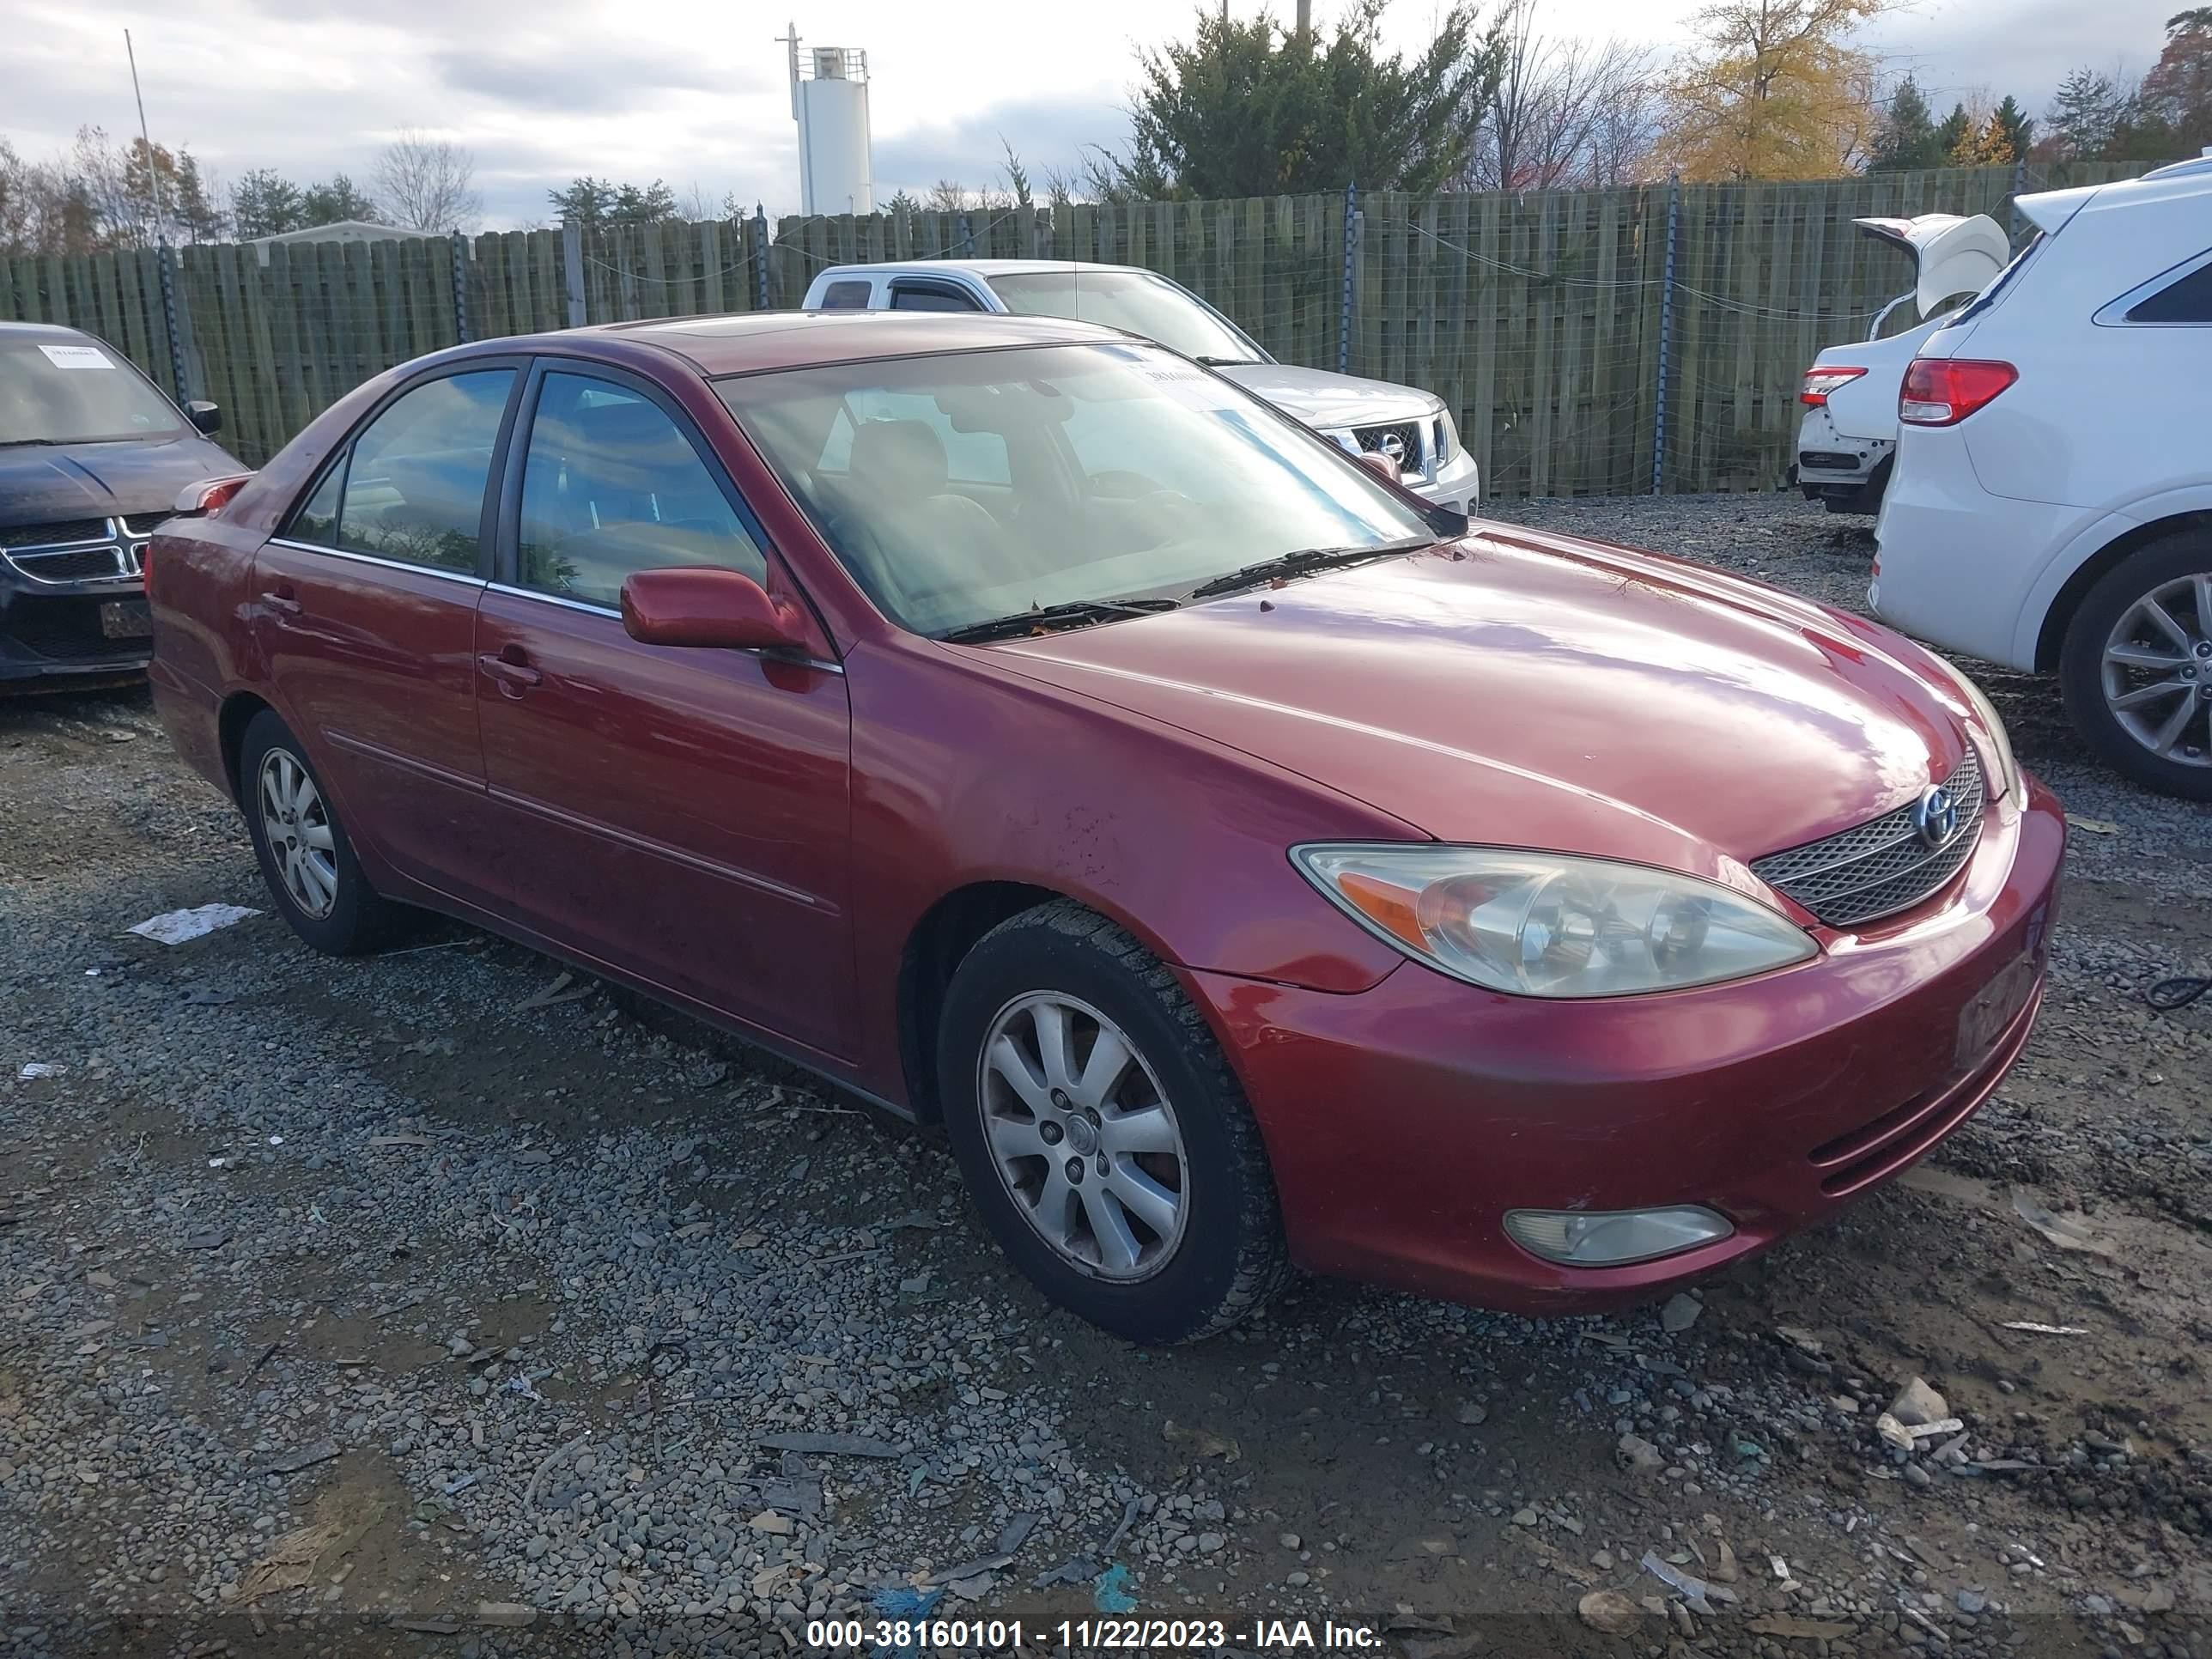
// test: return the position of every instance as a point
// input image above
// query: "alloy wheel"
(2157, 671)
(1083, 1136)
(297, 826)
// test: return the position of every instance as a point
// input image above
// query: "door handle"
(511, 669)
(282, 599)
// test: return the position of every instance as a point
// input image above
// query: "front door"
(678, 814)
(365, 609)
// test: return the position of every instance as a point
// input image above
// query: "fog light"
(1613, 1239)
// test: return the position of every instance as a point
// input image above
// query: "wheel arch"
(939, 941)
(236, 715)
(2050, 638)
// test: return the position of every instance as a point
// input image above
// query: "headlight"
(1549, 925)
(2006, 769)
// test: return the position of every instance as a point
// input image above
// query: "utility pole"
(153, 174)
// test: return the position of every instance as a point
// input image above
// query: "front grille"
(46, 535)
(1882, 865)
(144, 523)
(1376, 441)
(77, 564)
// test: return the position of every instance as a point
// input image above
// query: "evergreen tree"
(1949, 133)
(2080, 122)
(1907, 138)
(2018, 125)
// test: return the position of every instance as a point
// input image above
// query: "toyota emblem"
(1935, 816)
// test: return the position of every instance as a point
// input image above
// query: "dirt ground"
(274, 1206)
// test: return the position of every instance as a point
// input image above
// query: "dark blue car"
(92, 457)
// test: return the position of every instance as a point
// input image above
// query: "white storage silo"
(829, 101)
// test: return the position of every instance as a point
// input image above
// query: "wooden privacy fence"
(1587, 341)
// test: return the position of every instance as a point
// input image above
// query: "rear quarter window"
(2187, 299)
(845, 296)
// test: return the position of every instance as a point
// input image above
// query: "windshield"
(70, 389)
(1135, 300)
(969, 486)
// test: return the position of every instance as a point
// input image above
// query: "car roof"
(755, 340)
(50, 330)
(973, 267)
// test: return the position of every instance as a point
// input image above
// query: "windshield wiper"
(1040, 619)
(1306, 559)
(1224, 362)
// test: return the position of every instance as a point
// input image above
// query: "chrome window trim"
(822, 663)
(2114, 313)
(467, 578)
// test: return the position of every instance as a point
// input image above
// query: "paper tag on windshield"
(67, 356)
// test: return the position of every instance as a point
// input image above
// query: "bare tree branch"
(424, 182)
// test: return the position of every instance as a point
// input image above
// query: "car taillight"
(1944, 390)
(1820, 379)
(210, 495)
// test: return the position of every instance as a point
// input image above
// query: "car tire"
(2114, 599)
(1224, 1256)
(355, 919)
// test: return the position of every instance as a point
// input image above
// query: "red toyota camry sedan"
(1024, 728)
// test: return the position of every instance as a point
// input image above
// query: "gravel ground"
(416, 1305)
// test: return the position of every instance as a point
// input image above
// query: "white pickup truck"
(1411, 428)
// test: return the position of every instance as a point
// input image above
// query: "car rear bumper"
(51, 633)
(1402, 1123)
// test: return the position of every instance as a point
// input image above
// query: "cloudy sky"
(695, 92)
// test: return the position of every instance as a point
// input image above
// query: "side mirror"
(207, 417)
(707, 605)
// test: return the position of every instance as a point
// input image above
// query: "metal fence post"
(1344, 302)
(2012, 202)
(572, 260)
(760, 257)
(169, 321)
(1666, 333)
(460, 288)
(967, 238)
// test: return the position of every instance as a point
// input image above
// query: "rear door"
(364, 613)
(679, 815)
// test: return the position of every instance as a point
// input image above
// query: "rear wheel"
(2135, 668)
(306, 859)
(1103, 1134)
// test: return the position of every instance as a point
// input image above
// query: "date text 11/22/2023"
(1000, 1635)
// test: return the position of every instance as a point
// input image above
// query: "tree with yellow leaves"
(1774, 90)
(1986, 143)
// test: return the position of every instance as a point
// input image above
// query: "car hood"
(1320, 398)
(47, 485)
(1531, 690)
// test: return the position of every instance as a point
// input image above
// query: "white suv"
(2051, 503)
(1411, 428)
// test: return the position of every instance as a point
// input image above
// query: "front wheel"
(1102, 1132)
(2135, 669)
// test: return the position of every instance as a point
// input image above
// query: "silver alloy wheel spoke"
(297, 827)
(2157, 671)
(1082, 1137)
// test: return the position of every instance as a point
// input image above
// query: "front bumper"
(1457, 484)
(51, 634)
(1403, 1122)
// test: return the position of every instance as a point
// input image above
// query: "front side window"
(71, 389)
(1135, 300)
(611, 485)
(415, 486)
(1129, 473)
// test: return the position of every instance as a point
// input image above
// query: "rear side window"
(611, 485)
(845, 296)
(930, 299)
(414, 490)
(2189, 299)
